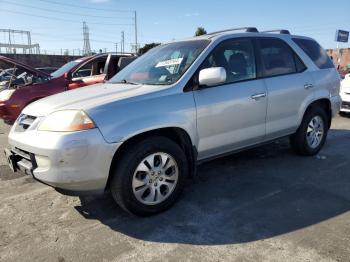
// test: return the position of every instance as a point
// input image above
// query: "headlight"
(6, 94)
(66, 121)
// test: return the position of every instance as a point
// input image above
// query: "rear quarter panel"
(326, 81)
(326, 86)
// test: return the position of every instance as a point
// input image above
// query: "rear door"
(231, 115)
(288, 84)
(92, 72)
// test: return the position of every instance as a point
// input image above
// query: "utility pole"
(136, 44)
(116, 47)
(122, 43)
(29, 39)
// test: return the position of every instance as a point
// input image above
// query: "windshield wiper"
(124, 81)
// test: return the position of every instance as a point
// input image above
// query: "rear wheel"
(312, 133)
(150, 176)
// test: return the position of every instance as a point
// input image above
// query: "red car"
(27, 84)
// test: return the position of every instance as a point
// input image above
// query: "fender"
(119, 122)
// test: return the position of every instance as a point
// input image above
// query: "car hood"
(23, 66)
(89, 97)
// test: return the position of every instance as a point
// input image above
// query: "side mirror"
(68, 76)
(212, 76)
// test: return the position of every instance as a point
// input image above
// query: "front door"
(232, 115)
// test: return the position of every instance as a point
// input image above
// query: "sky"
(57, 24)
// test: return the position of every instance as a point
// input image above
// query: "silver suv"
(141, 134)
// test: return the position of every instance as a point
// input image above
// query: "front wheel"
(312, 133)
(150, 176)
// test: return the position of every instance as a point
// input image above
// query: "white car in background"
(345, 94)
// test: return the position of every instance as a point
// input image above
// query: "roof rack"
(280, 31)
(247, 29)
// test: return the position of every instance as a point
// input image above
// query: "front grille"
(25, 161)
(21, 153)
(23, 122)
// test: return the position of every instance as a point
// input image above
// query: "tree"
(147, 47)
(200, 31)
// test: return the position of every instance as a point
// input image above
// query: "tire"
(301, 141)
(138, 184)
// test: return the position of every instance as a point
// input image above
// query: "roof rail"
(280, 31)
(247, 29)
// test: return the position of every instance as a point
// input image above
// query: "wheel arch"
(324, 103)
(176, 134)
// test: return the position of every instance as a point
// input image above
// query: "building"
(343, 62)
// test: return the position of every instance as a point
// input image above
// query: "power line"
(63, 12)
(64, 38)
(68, 38)
(62, 19)
(84, 7)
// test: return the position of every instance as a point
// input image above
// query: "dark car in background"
(28, 84)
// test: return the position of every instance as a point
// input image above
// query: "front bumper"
(70, 161)
(345, 106)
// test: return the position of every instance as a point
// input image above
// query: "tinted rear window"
(315, 52)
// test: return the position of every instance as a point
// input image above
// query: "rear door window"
(316, 53)
(277, 58)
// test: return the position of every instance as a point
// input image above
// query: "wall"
(41, 60)
(345, 57)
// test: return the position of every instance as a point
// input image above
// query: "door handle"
(257, 96)
(308, 86)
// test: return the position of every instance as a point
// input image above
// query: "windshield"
(65, 68)
(163, 65)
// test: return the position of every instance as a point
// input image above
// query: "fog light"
(42, 161)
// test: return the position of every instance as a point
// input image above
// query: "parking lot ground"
(265, 204)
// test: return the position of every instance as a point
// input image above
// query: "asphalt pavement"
(264, 204)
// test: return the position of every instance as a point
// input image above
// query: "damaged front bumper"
(74, 162)
(20, 160)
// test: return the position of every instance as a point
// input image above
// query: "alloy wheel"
(315, 132)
